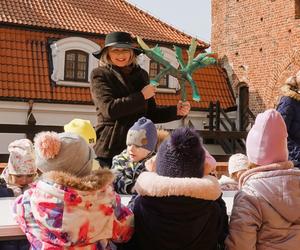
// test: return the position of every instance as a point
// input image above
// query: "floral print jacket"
(62, 211)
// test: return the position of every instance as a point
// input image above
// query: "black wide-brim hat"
(119, 40)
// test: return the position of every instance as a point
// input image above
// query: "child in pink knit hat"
(266, 212)
(20, 170)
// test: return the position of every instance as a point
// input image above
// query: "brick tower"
(258, 42)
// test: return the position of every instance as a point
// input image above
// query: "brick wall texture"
(258, 42)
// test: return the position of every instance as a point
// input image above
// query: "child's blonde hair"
(161, 136)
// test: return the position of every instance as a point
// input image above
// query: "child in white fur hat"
(70, 206)
(20, 170)
(237, 164)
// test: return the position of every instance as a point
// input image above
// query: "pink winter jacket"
(62, 211)
(266, 211)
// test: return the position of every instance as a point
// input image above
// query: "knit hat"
(266, 142)
(181, 155)
(21, 158)
(237, 162)
(83, 128)
(65, 152)
(142, 134)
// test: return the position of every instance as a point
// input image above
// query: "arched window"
(72, 61)
(76, 66)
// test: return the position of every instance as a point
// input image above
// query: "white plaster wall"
(60, 114)
(44, 113)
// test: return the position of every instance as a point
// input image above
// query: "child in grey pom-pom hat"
(141, 143)
(69, 203)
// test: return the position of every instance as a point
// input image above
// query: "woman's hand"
(148, 91)
(183, 108)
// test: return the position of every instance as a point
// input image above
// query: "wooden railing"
(220, 121)
(31, 130)
(28, 130)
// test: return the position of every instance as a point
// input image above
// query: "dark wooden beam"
(27, 129)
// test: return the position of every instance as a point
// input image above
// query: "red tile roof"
(24, 74)
(91, 16)
(24, 69)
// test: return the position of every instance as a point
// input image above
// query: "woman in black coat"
(122, 94)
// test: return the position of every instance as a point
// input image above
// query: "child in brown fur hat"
(70, 206)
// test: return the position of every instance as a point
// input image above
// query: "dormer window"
(155, 68)
(76, 66)
(73, 61)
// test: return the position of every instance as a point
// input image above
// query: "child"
(237, 164)
(178, 207)
(141, 142)
(266, 212)
(85, 129)
(18, 174)
(121, 92)
(20, 170)
(70, 206)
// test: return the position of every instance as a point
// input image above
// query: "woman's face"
(120, 57)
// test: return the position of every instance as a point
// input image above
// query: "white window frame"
(170, 56)
(59, 49)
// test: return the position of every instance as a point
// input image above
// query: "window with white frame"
(168, 83)
(73, 61)
(154, 69)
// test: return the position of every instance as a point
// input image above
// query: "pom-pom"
(47, 144)
(185, 139)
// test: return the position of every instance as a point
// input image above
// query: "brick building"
(258, 42)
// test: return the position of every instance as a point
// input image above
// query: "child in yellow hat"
(85, 129)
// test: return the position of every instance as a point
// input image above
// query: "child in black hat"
(122, 94)
(179, 207)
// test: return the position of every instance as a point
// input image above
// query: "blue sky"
(189, 16)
